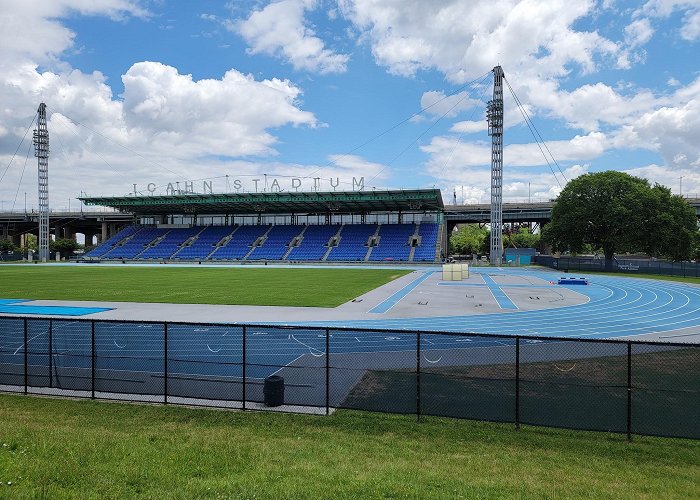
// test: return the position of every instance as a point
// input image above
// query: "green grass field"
(62, 448)
(192, 285)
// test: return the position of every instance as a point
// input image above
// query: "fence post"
(517, 383)
(328, 371)
(50, 353)
(418, 377)
(244, 366)
(165, 363)
(92, 376)
(26, 358)
(629, 391)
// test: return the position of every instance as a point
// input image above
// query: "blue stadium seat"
(425, 252)
(133, 242)
(174, 238)
(205, 243)
(109, 244)
(240, 243)
(393, 242)
(276, 244)
(137, 244)
(353, 243)
(314, 245)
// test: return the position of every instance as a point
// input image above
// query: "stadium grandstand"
(356, 226)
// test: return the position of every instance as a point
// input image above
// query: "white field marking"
(28, 341)
(532, 341)
(288, 364)
(463, 340)
(311, 349)
(683, 335)
(392, 338)
(119, 346)
(432, 362)
(259, 333)
(212, 350)
(358, 339)
(428, 341)
(201, 329)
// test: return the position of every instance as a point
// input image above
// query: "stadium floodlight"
(41, 151)
(494, 116)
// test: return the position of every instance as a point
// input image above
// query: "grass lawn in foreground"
(53, 448)
(192, 285)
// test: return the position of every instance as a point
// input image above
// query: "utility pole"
(495, 121)
(41, 151)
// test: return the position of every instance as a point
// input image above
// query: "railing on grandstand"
(627, 387)
(628, 266)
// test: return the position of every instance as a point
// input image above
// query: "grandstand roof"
(275, 203)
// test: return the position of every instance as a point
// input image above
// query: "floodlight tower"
(494, 116)
(41, 151)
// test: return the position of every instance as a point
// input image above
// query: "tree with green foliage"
(7, 246)
(521, 238)
(64, 245)
(31, 243)
(672, 232)
(469, 239)
(621, 213)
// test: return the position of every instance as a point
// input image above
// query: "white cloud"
(464, 39)
(221, 117)
(691, 28)
(689, 9)
(469, 127)
(165, 124)
(281, 30)
(671, 177)
(438, 104)
(638, 32)
(673, 131)
(450, 153)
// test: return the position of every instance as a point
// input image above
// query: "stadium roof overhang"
(275, 203)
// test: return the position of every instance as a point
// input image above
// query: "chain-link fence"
(607, 385)
(627, 266)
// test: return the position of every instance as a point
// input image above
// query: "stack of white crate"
(455, 272)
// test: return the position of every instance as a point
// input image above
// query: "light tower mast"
(41, 151)
(494, 116)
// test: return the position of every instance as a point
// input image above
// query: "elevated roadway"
(540, 212)
(13, 225)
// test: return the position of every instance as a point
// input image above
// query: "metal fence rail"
(628, 387)
(631, 266)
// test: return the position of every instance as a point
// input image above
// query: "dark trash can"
(273, 390)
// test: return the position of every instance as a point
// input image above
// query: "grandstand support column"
(41, 151)
(103, 236)
(495, 124)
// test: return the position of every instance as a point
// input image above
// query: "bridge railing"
(620, 386)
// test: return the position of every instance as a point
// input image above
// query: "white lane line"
(311, 349)
(28, 341)
(288, 364)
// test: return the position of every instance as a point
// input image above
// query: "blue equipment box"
(573, 281)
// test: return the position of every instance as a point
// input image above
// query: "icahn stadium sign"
(265, 184)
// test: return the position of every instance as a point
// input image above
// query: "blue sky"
(159, 91)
